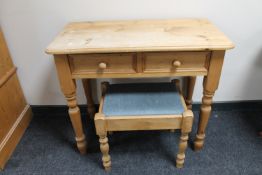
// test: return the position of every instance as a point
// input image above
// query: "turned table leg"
(68, 87)
(210, 84)
(205, 112)
(190, 89)
(75, 118)
(89, 99)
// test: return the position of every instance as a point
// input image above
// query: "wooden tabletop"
(139, 35)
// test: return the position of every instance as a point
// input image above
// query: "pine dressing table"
(139, 49)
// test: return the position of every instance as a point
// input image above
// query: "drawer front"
(175, 61)
(103, 63)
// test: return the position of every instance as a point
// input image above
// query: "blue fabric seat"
(142, 99)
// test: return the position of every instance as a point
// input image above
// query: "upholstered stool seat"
(142, 99)
(142, 106)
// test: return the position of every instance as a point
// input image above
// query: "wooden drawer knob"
(102, 65)
(176, 63)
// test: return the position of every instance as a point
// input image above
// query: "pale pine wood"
(15, 113)
(155, 74)
(139, 60)
(124, 123)
(103, 63)
(139, 35)
(151, 64)
(104, 147)
(68, 87)
(103, 140)
(105, 124)
(175, 61)
(190, 89)
(180, 159)
(156, 62)
(186, 128)
(210, 85)
(89, 98)
(162, 122)
(156, 41)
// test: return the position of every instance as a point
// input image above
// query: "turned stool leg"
(186, 128)
(103, 140)
(180, 159)
(205, 111)
(104, 147)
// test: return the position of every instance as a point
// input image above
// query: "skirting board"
(217, 106)
(8, 145)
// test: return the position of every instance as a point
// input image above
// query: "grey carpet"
(232, 147)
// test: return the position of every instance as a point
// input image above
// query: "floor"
(232, 147)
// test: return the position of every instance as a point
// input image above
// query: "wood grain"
(155, 74)
(210, 84)
(139, 35)
(105, 124)
(68, 86)
(113, 63)
(11, 105)
(154, 45)
(12, 138)
(186, 128)
(6, 63)
(150, 64)
(164, 62)
(131, 123)
(7, 76)
(15, 113)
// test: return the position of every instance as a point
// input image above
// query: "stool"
(142, 106)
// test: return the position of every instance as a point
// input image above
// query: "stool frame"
(105, 124)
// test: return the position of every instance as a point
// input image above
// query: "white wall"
(30, 25)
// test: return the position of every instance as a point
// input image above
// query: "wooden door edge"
(9, 143)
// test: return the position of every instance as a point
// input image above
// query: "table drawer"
(175, 61)
(103, 63)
